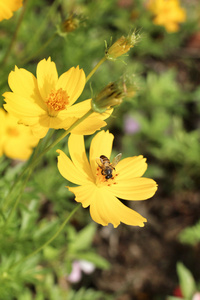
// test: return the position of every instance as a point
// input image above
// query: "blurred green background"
(162, 122)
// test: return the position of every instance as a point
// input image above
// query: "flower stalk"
(51, 239)
(14, 37)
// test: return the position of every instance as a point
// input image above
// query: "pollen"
(57, 100)
(102, 181)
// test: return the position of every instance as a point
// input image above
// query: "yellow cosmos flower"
(16, 141)
(47, 101)
(168, 13)
(7, 7)
(99, 193)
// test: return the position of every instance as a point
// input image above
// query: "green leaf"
(83, 239)
(187, 283)
(96, 259)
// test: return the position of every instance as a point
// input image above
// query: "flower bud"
(69, 25)
(121, 46)
(112, 95)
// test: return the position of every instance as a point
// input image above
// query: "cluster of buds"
(113, 94)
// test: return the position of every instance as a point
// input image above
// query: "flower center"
(57, 101)
(101, 179)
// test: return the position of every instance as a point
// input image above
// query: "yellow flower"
(47, 101)
(16, 141)
(168, 13)
(7, 7)
(99, 193)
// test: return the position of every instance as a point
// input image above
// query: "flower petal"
(106, 208)
(101, 145)
(7, 7)
(131, 167)
(84, 194)
(77, 152)
(73, 82)
(39, 131)
(47, 77)
(136, 189)
(90, 124)
(69, 171)
(24, 83)
(22, 108)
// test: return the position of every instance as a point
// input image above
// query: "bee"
(106, 166)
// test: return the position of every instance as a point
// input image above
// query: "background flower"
(99, 193)
(16, 141)
(167, 13)
(7, 7)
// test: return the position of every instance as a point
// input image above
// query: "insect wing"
(99, 161)
(116, 159)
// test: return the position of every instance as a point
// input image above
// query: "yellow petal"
(77, 152)
(69, 171)
(7, 7)
(39, 131)
(136, 189)
(23, 83)
(84, 194)
(47, 77)
(21, 107)
(131, 167)
(101, 145)
(106, 208)
(90, 124)
(73, 82)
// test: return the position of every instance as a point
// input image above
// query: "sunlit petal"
(136, 189)
(77, 152)
(106, 209)
(131, 167)
(23, 83)
(101, 145)
(47, 77)
(69, 171)
(85, 194)
(21, 106)
(8, 7)
(73, 82)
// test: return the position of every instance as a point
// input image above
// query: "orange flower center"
(101, 179)
(12, 131)
(57, 101)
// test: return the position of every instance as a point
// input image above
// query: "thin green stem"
(95, 68)
(35, 160)
(51, 239)
(62, 136)
(4, 60)
(6, 200)
(17, 199)
(42, 27)
(40, 50)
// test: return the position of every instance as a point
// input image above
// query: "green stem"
(17, 199)
(62, 136)
(95, 68)
(6, 200)
(35, 160)
(4, 60)
(51, 239)
(42, 27)
(40, 50)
